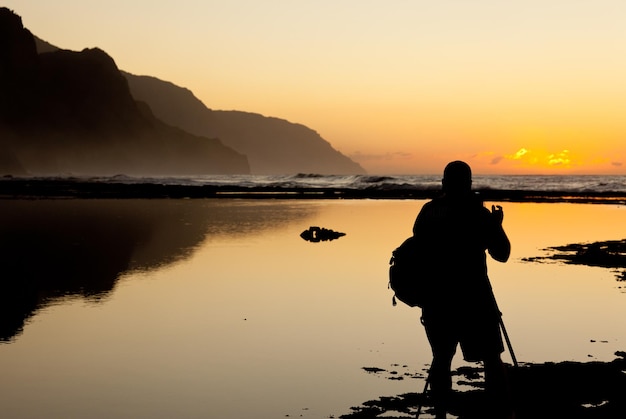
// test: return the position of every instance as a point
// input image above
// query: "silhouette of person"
(454, 231)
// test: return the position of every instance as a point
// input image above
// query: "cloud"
(559, 159)
(616, 163)
(541, 157)
(523, 155)
(519, 154)
(489, 156)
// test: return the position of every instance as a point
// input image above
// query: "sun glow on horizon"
(400, 87)
(523, 161)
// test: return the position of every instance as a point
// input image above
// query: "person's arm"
(499, 246)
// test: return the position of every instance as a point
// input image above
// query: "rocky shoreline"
(573, 390)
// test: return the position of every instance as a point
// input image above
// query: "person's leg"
(443, 344)
(497, 387)
(441, 381)
(481, 340)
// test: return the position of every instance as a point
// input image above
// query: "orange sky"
(401, 86)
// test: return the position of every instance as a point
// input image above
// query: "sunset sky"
(400, 86)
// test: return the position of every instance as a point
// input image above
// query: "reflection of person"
(455, 230)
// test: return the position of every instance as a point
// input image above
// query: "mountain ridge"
(272, 145)
(67, 112)
(269, 145)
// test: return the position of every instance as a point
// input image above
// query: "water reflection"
(253, 321)
(54, 249)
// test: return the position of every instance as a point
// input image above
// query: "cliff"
(72, 112)
(272, 145)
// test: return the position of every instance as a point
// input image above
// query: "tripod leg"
(506, 335)
(419, 406)
(508, 342)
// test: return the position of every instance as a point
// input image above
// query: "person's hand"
(497, 213)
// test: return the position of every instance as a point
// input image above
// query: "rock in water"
(316, 234)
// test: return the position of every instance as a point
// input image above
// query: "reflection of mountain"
(52, 249)
(72, 112)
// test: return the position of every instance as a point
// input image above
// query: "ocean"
(520, 188)
(556, 183)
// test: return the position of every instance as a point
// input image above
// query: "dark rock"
(317, 234)
(606, 254)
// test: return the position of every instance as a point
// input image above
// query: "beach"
(189, 308)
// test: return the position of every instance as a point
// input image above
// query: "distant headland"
(75, 113)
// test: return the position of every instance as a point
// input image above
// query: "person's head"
(457, 179)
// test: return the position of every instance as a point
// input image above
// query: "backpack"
(406, 274)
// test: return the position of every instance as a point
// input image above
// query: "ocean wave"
(416, 186)
(308, 176)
